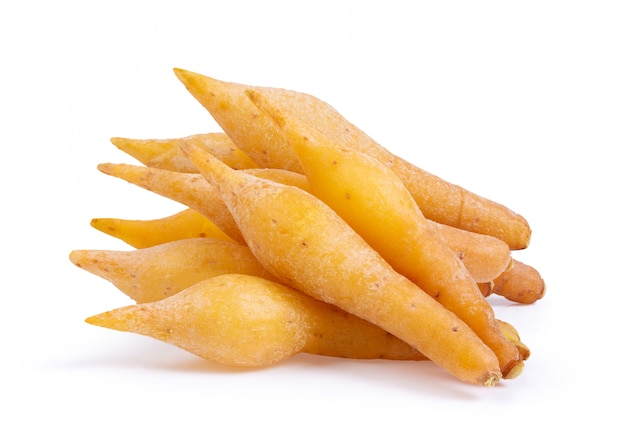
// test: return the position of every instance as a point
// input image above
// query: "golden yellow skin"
(255, 134)
(282, 176)
(244, 320)
(484, 256)
(154, 273)
(307, 246)
(332, 332)
(370, 197)
(185, 224)
(248, 127)
(193, 190)
(165, 153)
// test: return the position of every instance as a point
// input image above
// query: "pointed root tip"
(181, 74)
(105, 168)
(103, 320)
(110, 319)
(122, 143)
(201, 158)
(189, 78)
(252, 94)
(105, 225)
(193, 152)
(262, 103)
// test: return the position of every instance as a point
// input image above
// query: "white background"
(522, 102)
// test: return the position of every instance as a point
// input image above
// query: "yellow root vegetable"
(370, 197)
(165, 153)
(479, 253)
(522, 284)
(255, 134)
(243, 320)
(306, 245)
(484, 256)
(154, 273)
(301, 234)
(193, 190)
(246, 321)
(185, 224)
(248, 128)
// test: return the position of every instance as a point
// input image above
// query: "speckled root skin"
(302, 242)
(257, 136)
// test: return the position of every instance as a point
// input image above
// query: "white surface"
(522, 102)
